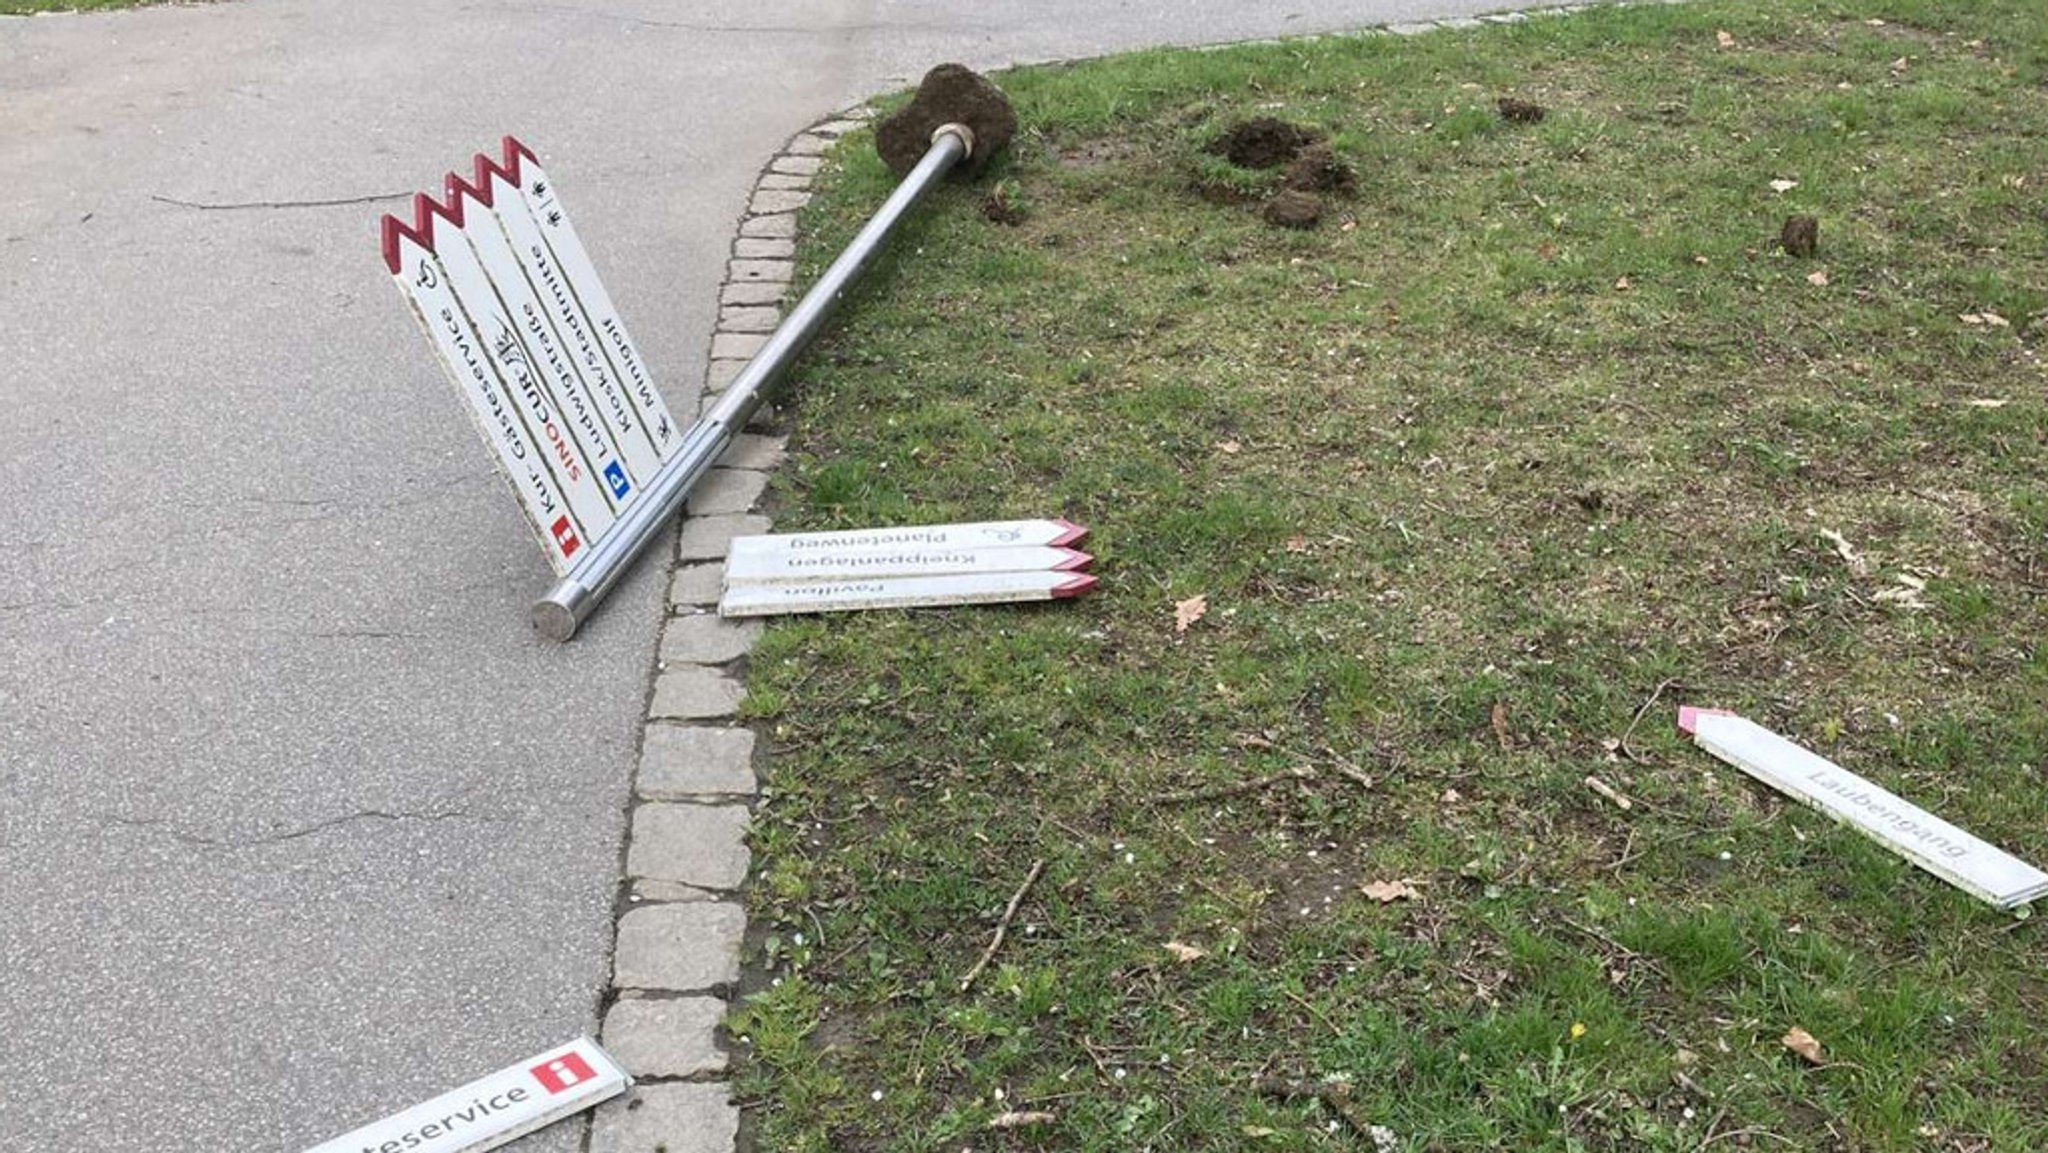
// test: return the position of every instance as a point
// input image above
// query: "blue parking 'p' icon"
(616, 477)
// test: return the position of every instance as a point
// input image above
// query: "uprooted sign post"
(916, 566)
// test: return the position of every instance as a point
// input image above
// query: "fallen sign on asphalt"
(915, 566)
(493, 1110)
(502, 284)
(1977, 867)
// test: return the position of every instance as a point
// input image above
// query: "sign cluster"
(910, 567)
(507, 294)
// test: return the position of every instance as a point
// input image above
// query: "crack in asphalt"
(163, 825)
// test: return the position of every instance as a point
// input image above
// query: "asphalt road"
(299, 822)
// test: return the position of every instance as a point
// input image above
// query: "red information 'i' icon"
(563, 1073)
(565, 536)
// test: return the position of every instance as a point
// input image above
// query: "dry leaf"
(1185, 954)
(1386, 892)
(1189, 611)
(1500, 727)
(1801, 1042)
(1622, 284)
(1857, 565)
(1784, 185)
(1874, 22)
(1995, 320)
(1297, 543)
(1229, 447)
(1019, 1120)
(1988, 402)
(1818, 278)
(1971, 318)
(1899, 65)
(1722, 38)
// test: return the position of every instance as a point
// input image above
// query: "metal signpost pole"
(570, 602)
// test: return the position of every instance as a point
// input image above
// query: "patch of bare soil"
(1264, 142)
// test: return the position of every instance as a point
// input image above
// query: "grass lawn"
(1536, 436)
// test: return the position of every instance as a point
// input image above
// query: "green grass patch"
(1539, 424)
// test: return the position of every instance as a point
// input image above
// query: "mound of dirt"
(1520, 111)
(1291, 208)
(1801, 235)
(949, 93)
(1263, 143)
(1318, 169)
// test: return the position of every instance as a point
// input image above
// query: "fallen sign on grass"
(1977, 867)
(495, 1109)
(919, 566)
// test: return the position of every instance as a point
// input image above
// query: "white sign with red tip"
(501, 283)
(493, 1110)
(1977, 867)
(1055, 533)
(781, 567)
(833, 596)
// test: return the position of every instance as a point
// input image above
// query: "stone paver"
(807, 145)
(770, 271)
(694, 693)
(764, 247)
(727, 490)
(722, 373)
(736, 345)
(673, 1117)
(707, 639)
(749, 318)
(797, 165)
(695, 585)
(782, 180)
(837, 128)
(682, 948)
(706, 537)
(752, 292)
(692, 844)
(782, 224)
(696, 760)
(640, 889)
(667, 1036)
(778, 200)
(751, 451)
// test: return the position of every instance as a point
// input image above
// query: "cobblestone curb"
(677, 957)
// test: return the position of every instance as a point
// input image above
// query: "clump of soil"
(1263, 143)
(1000, 206)
(1292, 208)
(1520, 111)
(1319, 169)
(1801, 235)
(949, 93)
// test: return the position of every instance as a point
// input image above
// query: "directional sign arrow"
(867, 561)
(1056, 533)
(831, 596)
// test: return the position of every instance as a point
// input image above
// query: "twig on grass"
(1604, 789)
(1021, 1119)
(1232, 790)
(1003, 926)
(1638, 719)
(1335, 1094)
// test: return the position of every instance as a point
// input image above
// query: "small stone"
(692, 844)
(682, 948)
(706, 537)
(676, 1117)
(753, 292)
(769, 271)
(707, 639)
(696, 760)
(1292, 209)
(796, 165)
(695, 585)
(781, 224)
(737, 345)
(770, 200)
(807, 144)
(750, 451)
(671, 1037)
(694, 693)
(727, 490)
(748, 318)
